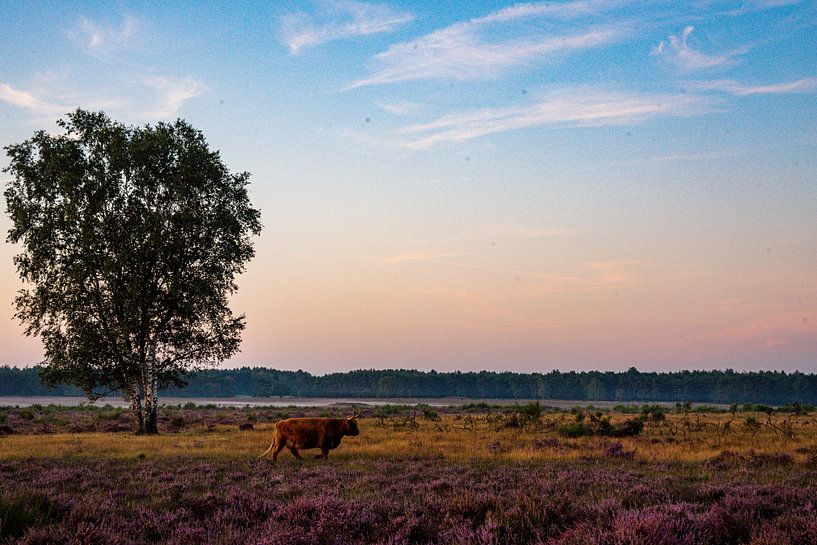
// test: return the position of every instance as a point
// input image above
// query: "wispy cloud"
(749, 6)
(100, 40)
(169, 95)
(705, 156)
(805, 85)
(678, 51)
(575, 106)
(149, 98)
(299, 31)
(463, 50)
(30, 102)
(403, 107)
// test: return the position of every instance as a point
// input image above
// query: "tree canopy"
(132, 238)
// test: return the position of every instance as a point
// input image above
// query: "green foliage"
(598, 424)
(20, 512)
(573, 430)
(475, 407)
(653, 413)
(428, 412)
(26, 414)
(722, 387)
(390, 410)
(132, 238)
(751, 424)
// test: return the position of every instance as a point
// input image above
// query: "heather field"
(475, 474)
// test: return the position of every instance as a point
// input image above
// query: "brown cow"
(306, 433)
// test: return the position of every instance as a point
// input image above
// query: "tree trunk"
(137, 416)
(150, 387)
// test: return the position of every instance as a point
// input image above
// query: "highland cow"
(307, 433)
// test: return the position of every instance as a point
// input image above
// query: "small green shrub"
(573, 430)
(26, 414)
(21, 512)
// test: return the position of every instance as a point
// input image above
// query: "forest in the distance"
(773, 387)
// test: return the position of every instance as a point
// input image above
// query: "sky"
(587, 184)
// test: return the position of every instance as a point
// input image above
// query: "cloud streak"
(462, 51)
(805, 85)
(102, 41)
(28, 101)
(575, 106)
(170, 94)
(151, 98)
(678, 51)
(298, 31)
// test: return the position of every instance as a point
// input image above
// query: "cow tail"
(272, 445)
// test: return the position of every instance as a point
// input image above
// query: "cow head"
(351, 424)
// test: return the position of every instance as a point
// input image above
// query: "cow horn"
(355, 414)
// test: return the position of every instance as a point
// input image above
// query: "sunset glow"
(536, 186)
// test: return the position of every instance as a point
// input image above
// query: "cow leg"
(295, 453)
(324, 454)
(278, 448)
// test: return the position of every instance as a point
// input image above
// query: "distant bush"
(757, 408)
(628, 409)
(629, 428)
(390, 410)
(428, 412)
(599, 425)
(475, 407)
(573, 430)
(177, 422)
(796, 408)
(26, 414)
(189, 406)
(654, 413)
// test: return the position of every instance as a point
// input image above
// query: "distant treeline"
(772, 387)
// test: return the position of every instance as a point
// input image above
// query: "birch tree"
(132, 238)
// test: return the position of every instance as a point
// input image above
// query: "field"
(475, 474)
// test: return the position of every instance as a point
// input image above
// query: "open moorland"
(469, 474)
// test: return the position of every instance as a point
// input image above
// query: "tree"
(132, 238)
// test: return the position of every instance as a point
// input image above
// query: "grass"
(452, 437)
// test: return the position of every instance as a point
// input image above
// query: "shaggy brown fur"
(306, 433)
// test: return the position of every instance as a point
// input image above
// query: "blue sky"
(581, 184)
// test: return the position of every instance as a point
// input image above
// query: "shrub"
(616, 450)
(629, 428)
(573, 430)
(21, 512)
(26, 414)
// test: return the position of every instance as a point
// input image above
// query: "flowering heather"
(409, 478)
(187, 500)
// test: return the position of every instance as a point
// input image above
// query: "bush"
(629, 428)
(576, 429)
(19, 513)
(26, 414)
